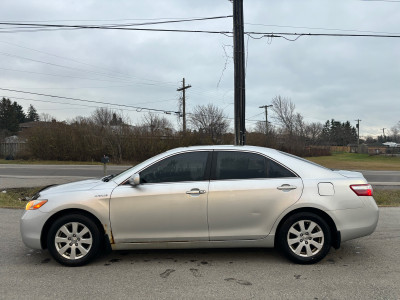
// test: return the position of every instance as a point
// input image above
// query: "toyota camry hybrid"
(204, 197)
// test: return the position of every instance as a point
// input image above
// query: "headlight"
(35, 204)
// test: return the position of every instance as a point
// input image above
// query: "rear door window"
(246, 165)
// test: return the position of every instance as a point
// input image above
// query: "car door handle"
(286, 187)
(195, 192)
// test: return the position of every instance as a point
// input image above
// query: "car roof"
(226, 147)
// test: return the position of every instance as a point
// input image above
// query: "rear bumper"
(358, 222)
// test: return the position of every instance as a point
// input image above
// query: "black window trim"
(211, 165)
(213, 173)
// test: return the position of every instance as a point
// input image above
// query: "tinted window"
(275, 170)
(242, 165)
(181, 167)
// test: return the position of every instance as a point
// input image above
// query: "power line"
(322, 28)
(74, 104)
(41, 27)
(211, 95)
(78, 77)
(226, 33)
(66, 67)
(74, 88)
(83, 63)
(281, 34)
(141, 109)
(138, 109)
(104, 26)
(167, 22)
(117, 28)
(104, 20)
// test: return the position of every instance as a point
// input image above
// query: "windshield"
(116, 176)
(124, 175)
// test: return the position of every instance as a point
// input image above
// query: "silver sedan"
(203, 197)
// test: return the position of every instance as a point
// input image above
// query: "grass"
(13, 198)
(355, 161)
(16, 198)
(387, 197)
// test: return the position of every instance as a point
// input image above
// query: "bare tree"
(112, 129)
(313, 132)
(44, 117)
(102, 116)
(396, 132)
(156, 125)
(260, 127)
(284, 113)
(299, 125)
(210, 120)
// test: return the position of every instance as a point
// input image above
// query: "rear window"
(303, 160)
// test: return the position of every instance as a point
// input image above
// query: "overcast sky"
(341, 78)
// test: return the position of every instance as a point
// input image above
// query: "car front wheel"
(73, 240)
(305, 238)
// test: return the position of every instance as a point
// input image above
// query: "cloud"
(344, 78)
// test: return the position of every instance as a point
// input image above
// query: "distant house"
(27, 125)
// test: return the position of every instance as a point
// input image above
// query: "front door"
(170, 204)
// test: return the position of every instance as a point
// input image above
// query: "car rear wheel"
(305, 238)
(73, 240)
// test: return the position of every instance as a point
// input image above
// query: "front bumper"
(31, 225)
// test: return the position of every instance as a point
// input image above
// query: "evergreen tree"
(335, 133)
(8, 116)
(338, 134)
(32, 114)
(325, 135)
(19, 112)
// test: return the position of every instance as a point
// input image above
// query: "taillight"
(362, 189)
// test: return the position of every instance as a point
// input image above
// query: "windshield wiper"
(108, 178)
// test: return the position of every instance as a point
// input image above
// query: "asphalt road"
(41, 175)
(12, 176)
(366, 268)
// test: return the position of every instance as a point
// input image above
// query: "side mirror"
(134, 180)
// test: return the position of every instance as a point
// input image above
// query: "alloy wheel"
(305, 238)
(73, 240)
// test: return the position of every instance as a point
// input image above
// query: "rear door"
(247, 193)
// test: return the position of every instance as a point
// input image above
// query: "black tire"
(301, 245)
(74, 240)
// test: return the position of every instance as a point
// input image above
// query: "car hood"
(73, 186)
(349, 174)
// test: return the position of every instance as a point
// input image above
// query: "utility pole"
(239, 65)
(358, 133)
(182, 89)
(266, 118)
(383, 132)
